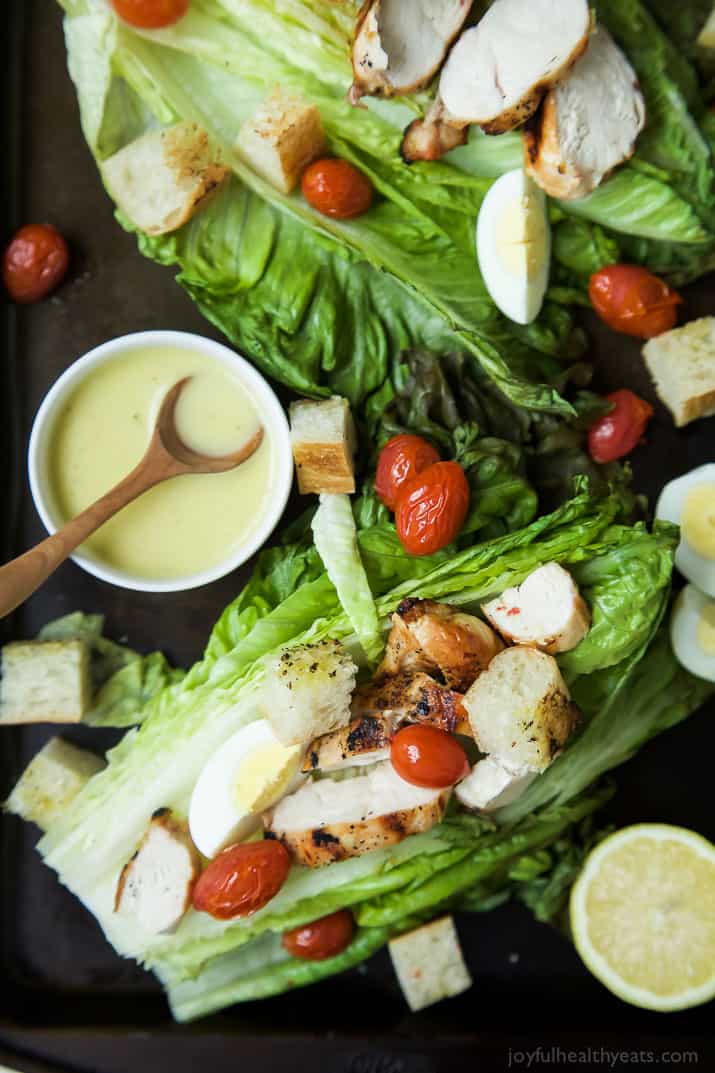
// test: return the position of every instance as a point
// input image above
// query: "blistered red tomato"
(617, 433)
(431, 508)
(426, 756)
(35, 262)
(151, 14)
(632, 300)
(242, 879)
(321, 939)
(401, 459)
(335, 188)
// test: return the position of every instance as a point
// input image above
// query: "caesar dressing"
(191, 523)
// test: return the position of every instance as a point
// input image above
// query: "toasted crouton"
(324, 439)
(545, 611)
(429, 963)
(682, 365)
(44, 682)
(307, 691)
(156, 883)
(162, 178)
(281, 139)
(51, 781)
(520, 709)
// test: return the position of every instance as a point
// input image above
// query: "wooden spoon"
(166, 456)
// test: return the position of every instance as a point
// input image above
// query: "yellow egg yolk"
(264, 776)
(698, 520)
(706, 629)
(521, 236)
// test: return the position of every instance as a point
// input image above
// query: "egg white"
(688, 611)
(514, 245)
(217, 816)
(692, 565)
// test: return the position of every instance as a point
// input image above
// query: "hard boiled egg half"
(249, 773)
(514, 245)
(689, 502)
(692, 632)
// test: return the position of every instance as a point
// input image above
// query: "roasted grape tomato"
(335, 188)
(321, 939)
(632, 300)
(617, 433)
(426, 756)
(431, 508)
(35, 262)
(151, 14)
(242, 879)
(401, 459)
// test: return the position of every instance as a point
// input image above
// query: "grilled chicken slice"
(490, 786)
(435, 638)
(499, 70)
(326, 821)
(398, 47)
(414, 698)
(545, 611)
(156, 884)
(588, 124)
(430, 138)
(365, 740)
(520, 710)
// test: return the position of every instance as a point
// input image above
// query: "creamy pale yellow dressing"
(189, 524)
(698, 520)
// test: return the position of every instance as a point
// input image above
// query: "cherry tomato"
(241, 879)
(335, 188)
(402, 458)
(634, 301)
(426, 756)
(151, 14)
(35, 262)
(321, 939)
(618, 432)
(431, 508)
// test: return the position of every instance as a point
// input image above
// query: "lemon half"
(643, 916)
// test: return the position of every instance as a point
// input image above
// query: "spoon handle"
(23, 575)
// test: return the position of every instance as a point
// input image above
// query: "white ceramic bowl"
(266, 402)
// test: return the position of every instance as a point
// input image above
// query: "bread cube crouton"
(51, 781)
(281, 139)
(324, 441)
(44, 682)
(156, 883)
(162, 178)
(429, 963)
(682, 365)
(307, 691)
(545, 611)
(520, 710)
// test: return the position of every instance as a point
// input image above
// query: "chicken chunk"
(326, 821)
(365, 740)
(433, 637)
(398, 48)
(307, 691)
(414, 698)
(546, 611)
(498, 71)
(520, 710)
(156, 884)
(489, 786)
(588, 124)
(432, 137)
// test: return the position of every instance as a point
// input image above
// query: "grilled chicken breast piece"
(545, 611)
(326, 821)
(588, 124)
(431, 137)
(437, 639)
(489, 786)
(520, 710)
(156, 884)
(414, 698)
(365, 740)
(498, 71)
(398, 47)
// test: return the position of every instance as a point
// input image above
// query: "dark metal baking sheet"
(67, 999)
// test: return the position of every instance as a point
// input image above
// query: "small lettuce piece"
(335, 538)
(123, 680)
